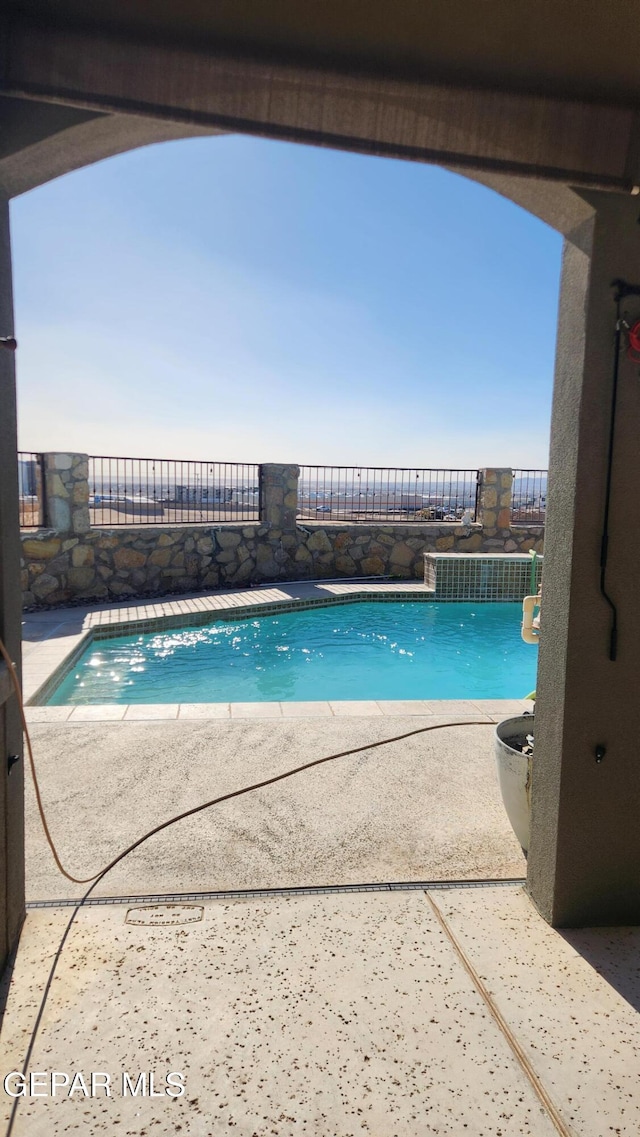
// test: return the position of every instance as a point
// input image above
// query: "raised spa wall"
(71, 561)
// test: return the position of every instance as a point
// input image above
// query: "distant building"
(27, 477)
(199, 495)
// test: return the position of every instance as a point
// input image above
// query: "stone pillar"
(584, 856)
(494, 500)
(12, 904)
(279, 495)
(66, 493)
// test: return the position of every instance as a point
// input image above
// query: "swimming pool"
(363, 650)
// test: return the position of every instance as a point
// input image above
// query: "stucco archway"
(75, 82)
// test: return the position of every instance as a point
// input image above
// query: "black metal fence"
(529, 497)
(159, 491)
(154, 491)
(30, 489)
(368, 493)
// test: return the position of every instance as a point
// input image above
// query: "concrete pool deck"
(110, 772)
(426, 808)
(389, 1011)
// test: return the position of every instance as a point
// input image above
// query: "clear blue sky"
(237, 299)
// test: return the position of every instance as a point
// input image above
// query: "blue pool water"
(348, 651)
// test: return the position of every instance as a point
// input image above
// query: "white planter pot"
(514, 774)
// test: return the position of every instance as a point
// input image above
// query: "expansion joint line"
(523, 1061)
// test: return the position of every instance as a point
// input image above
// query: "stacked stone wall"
(113, 564)
(71, 562)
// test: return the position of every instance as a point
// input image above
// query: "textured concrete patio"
(392, 1014)
(426, 808)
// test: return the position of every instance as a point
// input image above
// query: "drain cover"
(158, 915)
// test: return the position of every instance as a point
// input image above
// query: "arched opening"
(114, 399)
(50, 147)
(519, 99)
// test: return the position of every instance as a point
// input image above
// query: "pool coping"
(54, 639)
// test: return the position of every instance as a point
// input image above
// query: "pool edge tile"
(348, 708)
(504, 707)
(452, 707)
(145, 712)
(98, 712)
(255, 710)
(395, 707)
(194, 711)
(306, 709)
(47, 714)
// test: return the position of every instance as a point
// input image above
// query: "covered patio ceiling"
(576, 49)
(547, 90)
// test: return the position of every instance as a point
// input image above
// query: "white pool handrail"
(530, 630)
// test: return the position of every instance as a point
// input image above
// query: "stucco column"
(11, 783)
(584, 859)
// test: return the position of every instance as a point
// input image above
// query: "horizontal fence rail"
(158, 491)
(367, 493)
(30, 489)
(529, 497)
